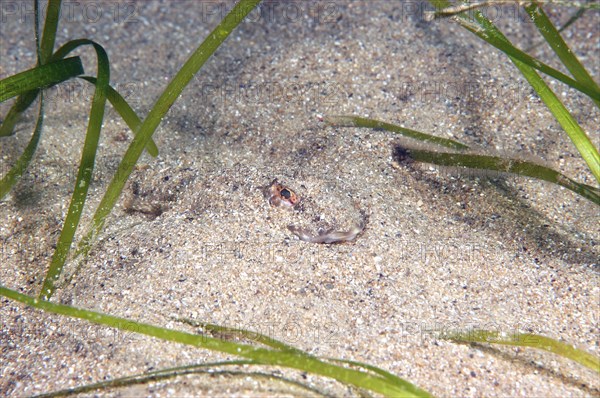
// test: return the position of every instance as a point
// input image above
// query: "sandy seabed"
(193, 236)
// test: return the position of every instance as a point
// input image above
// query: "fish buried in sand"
(279, 195)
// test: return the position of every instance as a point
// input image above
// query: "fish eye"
(285, 193)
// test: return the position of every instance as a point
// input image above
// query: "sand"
(193, 236)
